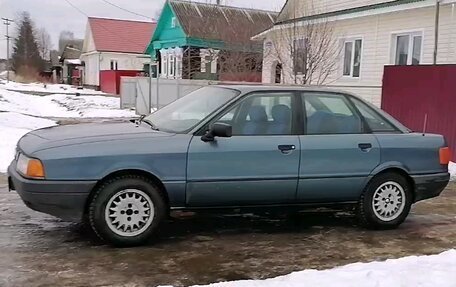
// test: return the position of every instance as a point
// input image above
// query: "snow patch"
(62, 105)
(21, 113)
(423, 271)
(12, 127)
(48, 88)
(452, 170)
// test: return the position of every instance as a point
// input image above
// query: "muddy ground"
(40, 250)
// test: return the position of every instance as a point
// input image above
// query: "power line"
(7, 22)
(75, 7)
(126, 10)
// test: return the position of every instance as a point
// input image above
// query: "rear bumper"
(63, 199)
(429, 186)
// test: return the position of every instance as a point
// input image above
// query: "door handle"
(286, 148)
(365, 146)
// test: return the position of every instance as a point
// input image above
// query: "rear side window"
(376, 123)
(330, 114)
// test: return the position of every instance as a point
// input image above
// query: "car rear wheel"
(386, 202)
(126, 210)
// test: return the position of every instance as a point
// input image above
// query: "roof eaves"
(178, 16)
(349, 11)
(281, 10)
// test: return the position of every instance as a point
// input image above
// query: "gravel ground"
(40, 250)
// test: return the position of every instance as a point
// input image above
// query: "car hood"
(84, 133)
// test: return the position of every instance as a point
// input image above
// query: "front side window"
(408, 48)
(330, 114)
(187, 112)
(261, 114)
(376, 123)
(352, 58)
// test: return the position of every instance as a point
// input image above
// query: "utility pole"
(7, 22)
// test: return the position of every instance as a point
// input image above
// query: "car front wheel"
(126, 210)
(386, 202)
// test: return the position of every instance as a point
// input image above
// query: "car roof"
(261, 87)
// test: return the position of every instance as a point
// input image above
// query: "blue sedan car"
(230, 147)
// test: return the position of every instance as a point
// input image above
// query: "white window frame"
(173, 22)
(178, 71)
(114, 65)
(164, 65)
(171, 65)
(412, 34)
(295, 56)
(352, 63)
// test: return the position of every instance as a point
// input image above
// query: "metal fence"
(142, 92)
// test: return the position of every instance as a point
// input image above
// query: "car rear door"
(338, 152)
(258, 165)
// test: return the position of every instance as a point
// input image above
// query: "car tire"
(126, 210)
(385, 202)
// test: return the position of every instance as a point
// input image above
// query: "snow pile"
(452, 169)
(12, 127)
(424, 271)
(21, 113)
(48, 88)
(62, 106)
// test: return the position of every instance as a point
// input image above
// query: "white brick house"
(371, 34)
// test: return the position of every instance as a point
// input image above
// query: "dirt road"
(40, 250)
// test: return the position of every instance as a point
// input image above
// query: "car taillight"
(445, 155)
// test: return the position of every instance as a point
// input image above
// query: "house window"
(178, 71)
(173, 22)
(114, 65)
(300, 56)
(172, 65)
(165, 65)
(352, 58)
(407, 48)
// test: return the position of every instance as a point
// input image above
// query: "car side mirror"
(221, 130)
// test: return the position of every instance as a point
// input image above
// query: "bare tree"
(308, 52)
(44, 43)
(232, 56)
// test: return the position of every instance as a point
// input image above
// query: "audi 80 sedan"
(224, 147)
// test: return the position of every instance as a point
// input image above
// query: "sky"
(58, 15)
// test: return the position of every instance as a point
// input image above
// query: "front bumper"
(63, 199)
(430, 186)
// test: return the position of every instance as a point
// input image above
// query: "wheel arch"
(402, 171)
(138, 172)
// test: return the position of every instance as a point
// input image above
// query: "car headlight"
(30, 167)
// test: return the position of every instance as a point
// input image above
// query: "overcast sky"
(58, 15)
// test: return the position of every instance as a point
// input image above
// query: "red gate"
(412, 92)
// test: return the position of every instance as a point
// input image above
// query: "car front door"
(258, 165)
(338, 152)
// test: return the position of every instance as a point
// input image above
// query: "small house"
(206, 41)
(114, 46)
(360, 38)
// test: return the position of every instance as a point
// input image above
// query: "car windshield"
(185, 113)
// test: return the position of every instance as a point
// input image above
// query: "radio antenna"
(425, 124)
